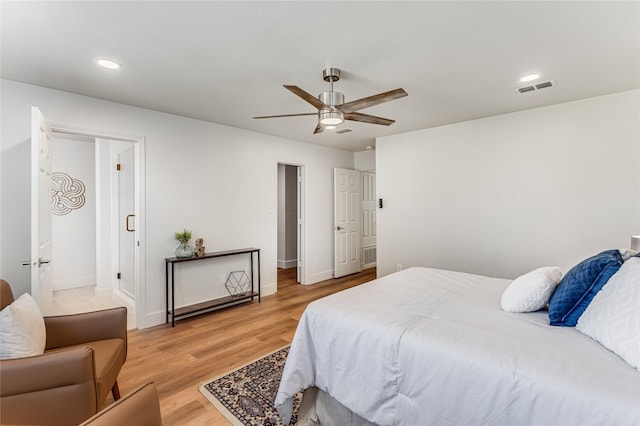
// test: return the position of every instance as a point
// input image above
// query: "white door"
(346, 185)
(126, 218)
(41, 288)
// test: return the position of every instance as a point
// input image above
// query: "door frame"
(302, 227)
(140, 185)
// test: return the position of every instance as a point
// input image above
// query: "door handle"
(338, 228)
(40, 262)
(127, 222)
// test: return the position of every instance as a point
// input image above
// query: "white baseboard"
(88, 281)
(267, 289)
(125, 298)
(103, 290)
(286, 264)
(151, 320)
(157, 318)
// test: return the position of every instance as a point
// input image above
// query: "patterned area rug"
(245, 396)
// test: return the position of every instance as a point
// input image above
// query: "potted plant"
(184, 249)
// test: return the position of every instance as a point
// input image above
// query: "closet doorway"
(290, 219)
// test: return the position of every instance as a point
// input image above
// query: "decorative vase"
(184, 250)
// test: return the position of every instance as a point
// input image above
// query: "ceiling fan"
(332, 110)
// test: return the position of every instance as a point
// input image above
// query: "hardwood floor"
(203, 347)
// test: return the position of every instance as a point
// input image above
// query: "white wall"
(218, 181)
(503, 195)
(365, 160)
(74, 252)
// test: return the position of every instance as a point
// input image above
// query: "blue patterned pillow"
(580, 285)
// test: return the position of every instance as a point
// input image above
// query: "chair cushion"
(109, 358)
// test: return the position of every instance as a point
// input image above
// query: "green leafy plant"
(183, 236)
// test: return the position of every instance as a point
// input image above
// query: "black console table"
(210, 305)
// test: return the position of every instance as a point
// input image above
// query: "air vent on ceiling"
(537, 86)
(343, 131)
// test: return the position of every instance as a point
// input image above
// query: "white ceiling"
(225, 62)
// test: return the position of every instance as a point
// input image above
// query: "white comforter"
(432, 347)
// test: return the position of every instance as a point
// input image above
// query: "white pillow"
(613, 316)
(531, 292)
(22, 330)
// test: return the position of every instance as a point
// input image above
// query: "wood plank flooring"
(203, 347)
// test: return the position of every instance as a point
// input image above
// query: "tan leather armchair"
(138, 408)
(69, 382)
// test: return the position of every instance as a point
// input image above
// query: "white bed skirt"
(319, 408)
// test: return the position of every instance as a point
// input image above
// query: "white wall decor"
(73, 235)
(67, 193)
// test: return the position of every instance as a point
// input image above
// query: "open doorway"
(289, 222)
(355, 221)
(75, 179)
(93, 242)
(104, 268)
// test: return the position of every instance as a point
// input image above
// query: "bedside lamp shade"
(635, 242)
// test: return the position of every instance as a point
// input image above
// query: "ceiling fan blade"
(366, 118)
(319, 129)
(286, 115)
(370, 101)
(307, 97)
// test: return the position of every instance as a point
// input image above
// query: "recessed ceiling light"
(107, 63)
(530, 77)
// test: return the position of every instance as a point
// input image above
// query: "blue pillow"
(580, 285)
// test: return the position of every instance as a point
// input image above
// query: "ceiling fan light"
(331, 118)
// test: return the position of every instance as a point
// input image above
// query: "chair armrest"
(140, 407)
(58, 385)
(68, 330)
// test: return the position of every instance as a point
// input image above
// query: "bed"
(433, 347)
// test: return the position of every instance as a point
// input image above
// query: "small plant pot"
(184, 250)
